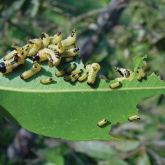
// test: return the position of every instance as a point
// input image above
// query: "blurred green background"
(140, 30)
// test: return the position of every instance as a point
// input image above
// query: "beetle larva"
(60, 73)
(56, 38)
(45, 39)
(9, 65)
(102, 123)
(47, 80)
(10, 55)
(135, 117)
(71, 52)
(83, 77)
(115, 85)
(34, 70)
(70, 40)
(92, 69)
(141, 74)
(35, 45)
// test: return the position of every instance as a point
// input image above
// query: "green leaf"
(71, 111)
(143, 159)
(138, 62)
(96, 149)
(113, 162)
(126, 145)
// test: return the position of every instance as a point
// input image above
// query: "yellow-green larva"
(54, 58)
(76, 71)
(56, 38)
(92, 69)
(140, 74)
(102, 123)
(69, 59)
(74, 77)
(47, 80)
(71, 67)
(71, 52)
(10, 55)
(9, 65)
(35, 45)
(35, 69)
(83, 77)
(45, 39)
(60, 73)
(135, 117)
(115, 85)
(42, 55)
(70, 40)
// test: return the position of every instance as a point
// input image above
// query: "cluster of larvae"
(58, 52)
(127, 74)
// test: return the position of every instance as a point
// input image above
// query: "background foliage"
(140, 31)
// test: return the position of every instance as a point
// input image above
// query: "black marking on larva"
(36, 58)
(73, 33)
(58, 33)
(2, 67)
(76, 50)
(21, 76)
(43, 36)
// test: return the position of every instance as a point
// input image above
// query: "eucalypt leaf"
(72, 111)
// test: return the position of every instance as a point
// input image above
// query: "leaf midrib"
(79, 90)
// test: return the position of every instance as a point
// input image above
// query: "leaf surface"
(71, 111)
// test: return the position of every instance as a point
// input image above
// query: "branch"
(105, 22)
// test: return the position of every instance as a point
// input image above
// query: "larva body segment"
(60, 73)
(70, 68)
(42, 55)
(71, 52)
(92, 69)
(102, 123)
(9, 65)
(45, 40)
(74, 77)
(47, 80)
(69, 59)
(115, 85)
(70, 40)
(34, 70)
(140, 74)
(57, 48)
(56, 38)
(83, 77)
(35, 45)
(54, 59)
(76, 71)
(133, 118)
(10, 55)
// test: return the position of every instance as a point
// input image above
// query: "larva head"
(2, 67)
(75, 50)
(36, 41)
(57, 38)
(96, 67)
(88, 67)
(36, 66)
(36, 57)
(44, 35)
(73, 33)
